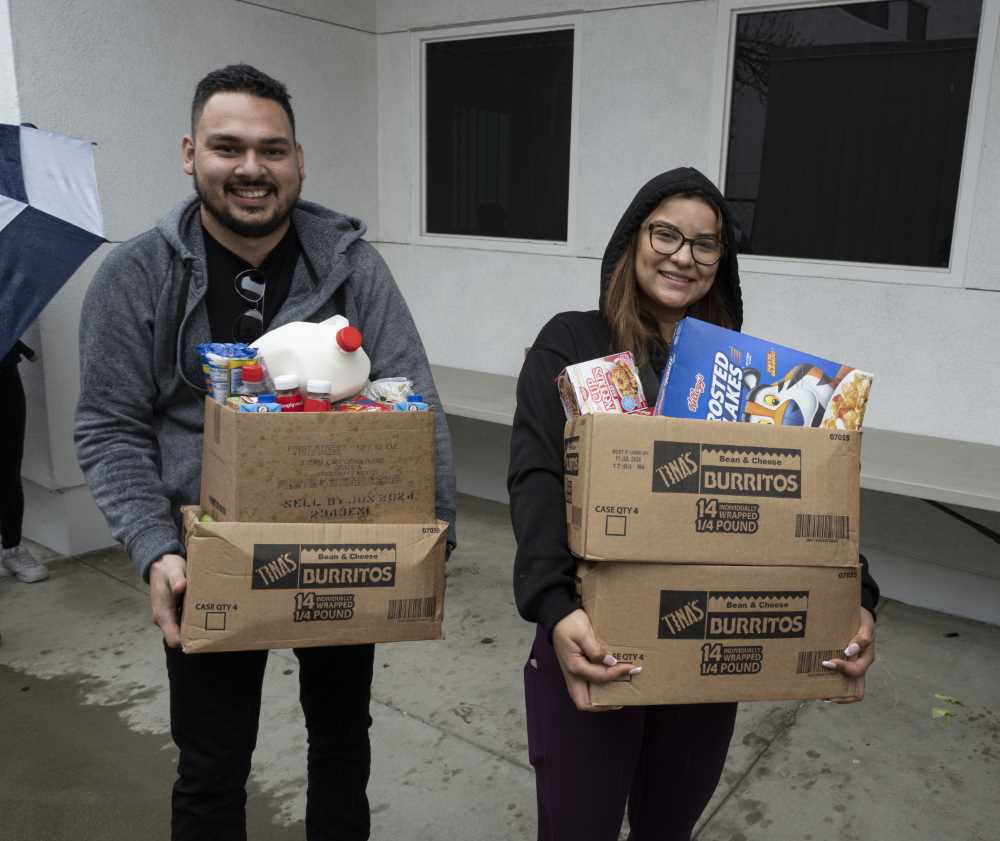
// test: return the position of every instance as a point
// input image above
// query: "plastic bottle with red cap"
(252, 383)
(330, 350)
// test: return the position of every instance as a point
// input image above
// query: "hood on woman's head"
(681, 180)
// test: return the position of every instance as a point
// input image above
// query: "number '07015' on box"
(659, 489)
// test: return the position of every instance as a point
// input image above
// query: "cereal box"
(719, 374)
(609, 384)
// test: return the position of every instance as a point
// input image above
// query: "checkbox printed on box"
(215, 620)
(615, 525)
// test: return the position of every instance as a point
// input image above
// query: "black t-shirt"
(225, 305)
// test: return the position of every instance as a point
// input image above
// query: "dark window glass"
(498, 123)
(846, 129)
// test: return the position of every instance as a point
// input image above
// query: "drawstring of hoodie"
(179, 350)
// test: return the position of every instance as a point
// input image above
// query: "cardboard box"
(318, 467)
(291, 585)
(661, 489)
(608, 384)
(722, 633)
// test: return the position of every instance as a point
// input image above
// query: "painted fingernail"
(852, 649)
(610, 661)
(635, 671)
(828, 664)
(827, 701)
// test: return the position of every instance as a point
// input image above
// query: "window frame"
(419, 234)
(954, 276)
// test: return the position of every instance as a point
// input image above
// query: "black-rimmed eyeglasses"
(250, 286)
(667, 240)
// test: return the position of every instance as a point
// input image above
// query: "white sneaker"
(22, 565)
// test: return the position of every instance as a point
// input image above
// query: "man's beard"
(252, 230)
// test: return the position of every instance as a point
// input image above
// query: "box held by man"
(318, 467)
(292, 585)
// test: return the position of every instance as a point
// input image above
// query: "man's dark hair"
(240, 78)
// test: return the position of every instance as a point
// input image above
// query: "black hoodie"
(544, 569)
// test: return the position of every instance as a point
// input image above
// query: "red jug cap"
(349, 339)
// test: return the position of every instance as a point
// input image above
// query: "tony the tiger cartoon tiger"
(799, 398)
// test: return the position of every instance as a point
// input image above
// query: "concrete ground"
(85, 750)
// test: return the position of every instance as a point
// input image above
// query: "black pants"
(12, 412)
(214, 712)
(664, 762)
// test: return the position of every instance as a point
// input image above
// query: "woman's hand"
(584, 660)
(860, 654)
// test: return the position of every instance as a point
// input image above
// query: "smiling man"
(140, 415)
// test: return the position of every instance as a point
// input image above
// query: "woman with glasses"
(671, 255)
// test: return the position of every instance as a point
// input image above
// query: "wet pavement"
(85, 750)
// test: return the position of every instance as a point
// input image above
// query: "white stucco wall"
(984, 248)
(479, 308)
(396, 15)
(122, 73)
(9, 110)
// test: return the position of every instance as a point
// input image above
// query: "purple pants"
(664, 761)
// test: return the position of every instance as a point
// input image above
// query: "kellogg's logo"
(694, 394)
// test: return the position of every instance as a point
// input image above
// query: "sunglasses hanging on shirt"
(250, 286)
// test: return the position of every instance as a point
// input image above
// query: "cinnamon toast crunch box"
(718, 374)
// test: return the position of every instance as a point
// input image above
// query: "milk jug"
(330, 350)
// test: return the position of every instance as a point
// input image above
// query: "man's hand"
(584, 660)
(860, 654)
(167, 581)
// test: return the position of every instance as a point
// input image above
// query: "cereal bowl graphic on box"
(718, 374)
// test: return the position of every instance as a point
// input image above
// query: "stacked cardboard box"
(322, 531)
(722, 557)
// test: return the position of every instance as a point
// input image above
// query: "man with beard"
(243, 255)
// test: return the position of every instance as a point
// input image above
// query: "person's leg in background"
(584, 761)
(214, 714)
(14, 558)
(684, 750)
(335, 692)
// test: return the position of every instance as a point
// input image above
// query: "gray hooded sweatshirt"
(139, 420)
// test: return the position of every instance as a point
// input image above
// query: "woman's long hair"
(633, 325)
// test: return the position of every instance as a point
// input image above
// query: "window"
(497, 123)
(847, 124)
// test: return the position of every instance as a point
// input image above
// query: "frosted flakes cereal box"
(718, 374)
(609, 384)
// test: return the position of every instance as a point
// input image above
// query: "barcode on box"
(823, 526)
(810, 662)
(407, 610)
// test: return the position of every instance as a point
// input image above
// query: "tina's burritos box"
(318, 467)
(705, 633)
(668, 490)
(287, 585)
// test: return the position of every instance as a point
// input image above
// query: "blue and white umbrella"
(50, 221)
